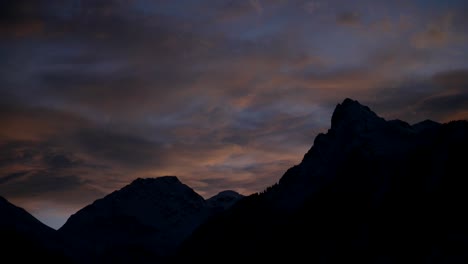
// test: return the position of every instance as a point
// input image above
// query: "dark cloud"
(40, 183)
(442, 97)
(115, 147)
(16, 152)
(22, 18)
(16, 10)
(36, 155)
(348, 18)
(238, 9)
(12, 176)
(25, 122)
(446, 107)
(36, 165)
(452, 79)
(58, 161)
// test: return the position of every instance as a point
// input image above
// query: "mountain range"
(369, 190)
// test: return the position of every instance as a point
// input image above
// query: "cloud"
(40, 183)
(256, 5)
(233, 10)
(439, 33)
(114, 147)
(447, 107)
(457, 79)
(12, 176)
(20, 18)
(348, 19)
(31, 123)
(441, 97)
(90, 154)
(31, 169)
(23, 28)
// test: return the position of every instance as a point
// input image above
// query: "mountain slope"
(224, 200)
(369, 190)
(21, 232)
(142, 222)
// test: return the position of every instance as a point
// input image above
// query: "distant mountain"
(368, 191)
(143, 222)
(22, 233)
(224, 200)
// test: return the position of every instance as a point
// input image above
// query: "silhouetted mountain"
(224, 200)
(143, 222)
(22, 233)
(368, 191)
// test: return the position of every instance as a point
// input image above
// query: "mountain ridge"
(145, 221)
(368, 190)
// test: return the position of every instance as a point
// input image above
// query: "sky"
(223, 94)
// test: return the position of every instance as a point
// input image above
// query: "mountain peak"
(425, 125)
(158, 180)
(351, 112)
(156, 214)
(224, 200)
(365, 186)
(228, 193)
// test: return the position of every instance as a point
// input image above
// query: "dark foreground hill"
(24, 237)
(368, 191)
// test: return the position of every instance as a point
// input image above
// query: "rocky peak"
(159, 190)
(350, 114)
(159, 180)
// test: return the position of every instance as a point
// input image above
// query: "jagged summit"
(159, 184)
(369, 190)
(160, 191)
(351, 113)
